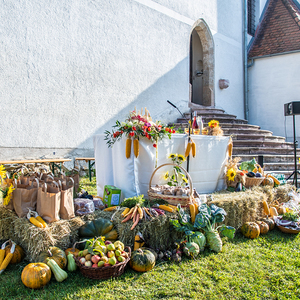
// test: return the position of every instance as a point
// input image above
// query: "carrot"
(127, 218)
(140, 211)
(130, 212)
(136, 221)
(147, 212)
(134, 212)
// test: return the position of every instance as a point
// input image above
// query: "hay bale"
(7, 218)
(281, 193)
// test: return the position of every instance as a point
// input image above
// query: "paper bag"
(67, 204)
(25, 197)
(48, 202)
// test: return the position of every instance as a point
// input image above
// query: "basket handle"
(183, 169)
(129, 251)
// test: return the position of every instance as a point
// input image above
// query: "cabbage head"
(198, 238)
(191, 249)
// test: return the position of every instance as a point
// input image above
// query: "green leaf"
(227, 231)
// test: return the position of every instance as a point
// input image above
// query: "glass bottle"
(200, 124)
(195, 125)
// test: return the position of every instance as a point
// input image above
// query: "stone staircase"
(250, 141)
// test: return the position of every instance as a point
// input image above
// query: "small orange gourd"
(18, 254)
(263, 227)
(250, 230)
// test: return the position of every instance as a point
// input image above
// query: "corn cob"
(42, 221)
(128, 148)
(2, 252)
(111, 208)
(193, 149)
(166, 208)
(136, 147)
(188, 149)
(127, 209)
(230, 147)
(8, 258)
(33, 220)
(193, 213)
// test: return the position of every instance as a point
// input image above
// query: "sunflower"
(2, 171)
(213, 123)
(166, 176)
(181, 158)
(172, 155)
(7, 194)
(184, 179)
(231, 174)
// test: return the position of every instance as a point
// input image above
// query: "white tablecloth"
(132, 175)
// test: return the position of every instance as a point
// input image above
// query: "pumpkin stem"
(50, 253)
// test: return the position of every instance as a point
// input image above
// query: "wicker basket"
(173, 200)
(104, 272)
(253, 181)
(288, 230)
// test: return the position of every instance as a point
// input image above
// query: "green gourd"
(71, 262)
(59, 274)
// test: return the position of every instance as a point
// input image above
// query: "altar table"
(132, 175)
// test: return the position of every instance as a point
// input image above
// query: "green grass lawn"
(264, 268)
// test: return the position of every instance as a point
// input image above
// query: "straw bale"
(6, 219)
(281, 193)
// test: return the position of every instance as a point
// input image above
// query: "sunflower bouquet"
(234, 176)
(214, 128)
(6, 189)
(176, 177)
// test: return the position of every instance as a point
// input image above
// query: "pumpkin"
(98, 227)
(268, 181)
(263, 227)
(270, 222)
(18, 255)
(281, 210)
(73, 251)
(36, 275)
(142, 260)
(55, 253)
(250, 230)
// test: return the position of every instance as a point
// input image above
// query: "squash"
(36, 275)
(56, 253)
(266, 207)
(71, 262)
(72, 250)
(281, 210)
(263, 227)
(59, 274)
(98, 227)
(142, 260)
(273, 211)
(270, 223)
(18, 254)
(250, 230)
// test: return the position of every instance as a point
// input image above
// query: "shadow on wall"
(173, 86)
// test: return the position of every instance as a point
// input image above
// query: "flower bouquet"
(6, 188)
(137, 126)
(213, 128)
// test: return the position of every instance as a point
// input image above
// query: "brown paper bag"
(24, 197)
(48, 202)
(67, 204)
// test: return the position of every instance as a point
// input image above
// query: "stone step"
(221, 119)
(207, 109)
(267, 158)
(258, 137)
(210, 115)
(264, 144)
(243, 131)
(238, 151)
(226, 126)
(290, 166)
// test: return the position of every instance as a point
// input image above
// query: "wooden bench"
(88, 160)
(54, 162)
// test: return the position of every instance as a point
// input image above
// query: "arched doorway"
(202, 66)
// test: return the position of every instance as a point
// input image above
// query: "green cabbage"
(198, 238)
(191, 249)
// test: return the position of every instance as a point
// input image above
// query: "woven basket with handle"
(104, 272)
(171, 199)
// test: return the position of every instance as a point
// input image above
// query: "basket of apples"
(103, 260)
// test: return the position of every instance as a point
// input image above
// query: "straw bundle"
(6, 220)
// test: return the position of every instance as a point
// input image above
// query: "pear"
(112, 261)
(111, 247)
(101, 263)
(117, 252)
(110, 254)
(104, 258)
(121, 258)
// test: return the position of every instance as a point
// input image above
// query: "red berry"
(154, 145)
(167, 128)
(131, 133)
(173, 131)
(149, 128)
(133, 128)
(122, 131)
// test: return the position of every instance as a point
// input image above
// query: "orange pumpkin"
(18, 255)
(36, 275)
(56, 253)
(250, 230)
(263, 227)
(73, 251)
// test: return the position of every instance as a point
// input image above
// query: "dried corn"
(193, 149)
(230, 147)
(193, 213)
(2, 252)
(188, 149)
(128, 148)
(8, 258)
(136, 147)
(166, 208)
(111, 208)
(33, 220)
(127, 209)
